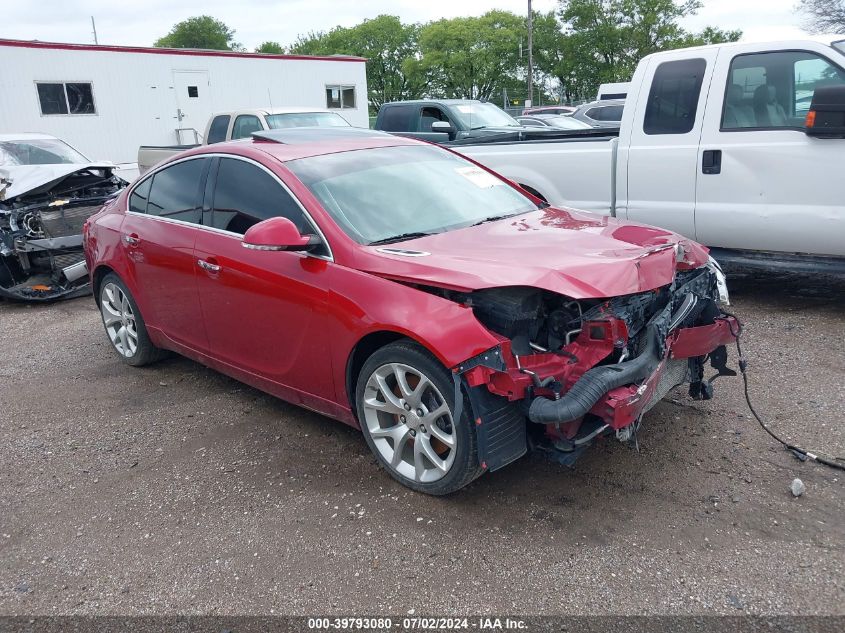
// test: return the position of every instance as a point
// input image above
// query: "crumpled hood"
(577, 254)
(20, 180)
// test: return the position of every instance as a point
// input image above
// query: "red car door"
(157, 235)
(263, 310)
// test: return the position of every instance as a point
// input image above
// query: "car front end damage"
(42, 211)
(567, 372)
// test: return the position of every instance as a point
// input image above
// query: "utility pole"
(94, 28)
(530, 56)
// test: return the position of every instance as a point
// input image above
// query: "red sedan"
(409, 292)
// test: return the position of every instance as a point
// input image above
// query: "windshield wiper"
(400, 238)
(493, 218)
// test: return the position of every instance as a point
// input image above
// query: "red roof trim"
(170, 51)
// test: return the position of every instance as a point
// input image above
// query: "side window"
(397, 118)
(774, 90)
(673, 97)
(175, 191)
(245, 125)
(218, 128)
(245, 194)
(612, 113)
(138, 199)
(429, 115)
(594, 114)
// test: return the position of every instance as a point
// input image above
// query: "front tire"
(124, 324)
(405, 402)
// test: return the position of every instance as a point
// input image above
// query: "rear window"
(673, 97)
(217, 131)
(396, 118)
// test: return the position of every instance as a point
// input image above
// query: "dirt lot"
(173, 489)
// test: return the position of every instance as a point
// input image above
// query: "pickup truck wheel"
(124, 324)
(405, 402)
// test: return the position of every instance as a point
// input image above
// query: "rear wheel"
(405, 401)
(124, 324)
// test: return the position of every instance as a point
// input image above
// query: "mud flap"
(500, 425)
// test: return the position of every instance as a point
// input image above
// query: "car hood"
(19, 180)
(573, 253)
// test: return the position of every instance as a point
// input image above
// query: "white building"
(108, 100)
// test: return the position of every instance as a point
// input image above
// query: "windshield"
(386, 192)
(479, 115)
(306, 119)
(42, 151)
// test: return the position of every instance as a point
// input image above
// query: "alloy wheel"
(119, 319)
(409, 422)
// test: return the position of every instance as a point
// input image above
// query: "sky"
(140, 23)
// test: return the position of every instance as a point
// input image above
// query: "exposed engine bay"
(41, 257)
(583, 369)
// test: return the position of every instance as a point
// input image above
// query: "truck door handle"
(130, 240)
(711, 161)
(212, 268)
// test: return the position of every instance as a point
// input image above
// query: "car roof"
(295, 143)
(446, 101)
(270, 111)
(26, 136)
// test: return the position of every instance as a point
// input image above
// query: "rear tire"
(124, 324)
(406, 403)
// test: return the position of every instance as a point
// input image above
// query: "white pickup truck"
(229, 126)
(715, 144)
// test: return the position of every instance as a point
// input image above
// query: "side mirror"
(278, 234)
(443, 127)
(826, 118)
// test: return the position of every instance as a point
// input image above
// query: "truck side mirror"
(826, 118)
(444, 127)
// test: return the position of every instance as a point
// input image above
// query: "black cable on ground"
(800, 453)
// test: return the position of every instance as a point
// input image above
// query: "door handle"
(212, 268)
(711, 161)
(130, 240)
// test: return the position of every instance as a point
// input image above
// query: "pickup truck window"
(245, 125)
(774, 90)
(396, 118)
(218, 128)
(673, 97)
(431, 115)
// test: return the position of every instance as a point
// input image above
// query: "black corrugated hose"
(800, 453)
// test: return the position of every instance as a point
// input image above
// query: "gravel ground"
(173, 489)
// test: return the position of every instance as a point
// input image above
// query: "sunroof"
(298, 135)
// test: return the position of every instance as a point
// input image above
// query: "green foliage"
(603, 40)
(385, 42)
(273, 48)
(472, 58)
(200, 32)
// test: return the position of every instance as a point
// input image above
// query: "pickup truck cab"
(713, 144)
(229, 126)
(441, 120)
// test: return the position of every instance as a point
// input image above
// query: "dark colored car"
(407, 291)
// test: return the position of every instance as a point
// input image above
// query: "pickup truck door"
(658, 152)
(762, 183)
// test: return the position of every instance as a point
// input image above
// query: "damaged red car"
(402, 289)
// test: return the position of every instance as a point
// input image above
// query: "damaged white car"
(47, 191)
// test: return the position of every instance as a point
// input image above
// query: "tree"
(387, 44)
(604, 40)
(200, 32)
(824, 16)
(470, 58)
(271, 48)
